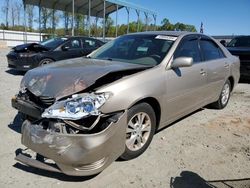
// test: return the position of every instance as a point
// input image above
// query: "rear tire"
(224, 96)
(45, 62)
(140, 130)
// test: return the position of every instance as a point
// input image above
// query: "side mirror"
(182, 62)
(65, 48)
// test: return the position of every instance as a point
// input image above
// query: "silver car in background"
(84, 113)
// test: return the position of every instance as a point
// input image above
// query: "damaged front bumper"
(26, 107)
(75, 154)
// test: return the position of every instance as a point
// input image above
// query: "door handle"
(202, 72)
(226, 65)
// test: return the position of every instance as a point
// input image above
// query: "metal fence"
(14, 38)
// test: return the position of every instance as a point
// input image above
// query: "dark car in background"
(240, 46)
(27, 56)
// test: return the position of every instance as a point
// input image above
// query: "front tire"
(224, 96)
(45, 61)
(140, 130)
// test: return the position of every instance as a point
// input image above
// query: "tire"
(139, 135)
(224, 96)
(45, 62)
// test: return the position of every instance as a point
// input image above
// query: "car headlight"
(27, 54)
(77, 107)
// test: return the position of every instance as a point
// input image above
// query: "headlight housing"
(77, 107)
(27, 54)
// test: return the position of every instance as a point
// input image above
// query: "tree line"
(59, 23)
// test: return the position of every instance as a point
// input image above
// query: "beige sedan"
(84, 113)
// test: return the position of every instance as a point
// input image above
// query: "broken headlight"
(77, 107)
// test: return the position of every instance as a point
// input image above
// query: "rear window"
(240, 42)
(210, 50)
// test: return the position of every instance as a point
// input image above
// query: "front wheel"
(224, 96)
(140, 130)
(45, 61)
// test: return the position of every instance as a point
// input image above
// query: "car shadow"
(52, 175)
(177, 72)
(16, 125)
(15, 72)
(188, 179)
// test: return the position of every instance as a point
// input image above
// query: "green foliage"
(191, 28)
(166, 25)
(15, 28)
(79, 24)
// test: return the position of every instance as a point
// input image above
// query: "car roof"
(242, 36)
(171, 33)
(78, 37)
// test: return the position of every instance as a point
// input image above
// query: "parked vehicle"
(110, 104)
(240, 46)
(28, 56)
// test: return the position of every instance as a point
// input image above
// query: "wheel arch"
(231, 80)
(154, 103)
(45, 57)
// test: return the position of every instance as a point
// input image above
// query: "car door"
(71, 49)
(186, 86)
(217, 66)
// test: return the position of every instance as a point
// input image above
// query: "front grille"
(11, 66)
(47, 100)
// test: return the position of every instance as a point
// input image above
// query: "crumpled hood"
(67, 77)
(35, 47)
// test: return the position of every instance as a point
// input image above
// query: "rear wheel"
(45, 61)
(224, 96)
(140, 130)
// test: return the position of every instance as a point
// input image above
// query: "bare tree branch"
(5, 10)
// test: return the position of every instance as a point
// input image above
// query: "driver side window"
(189, 48)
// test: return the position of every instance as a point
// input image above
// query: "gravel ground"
(209, 148)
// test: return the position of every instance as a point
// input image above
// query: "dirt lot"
(209, 148)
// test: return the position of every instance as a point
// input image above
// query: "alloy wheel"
(225, 94)
(138, 131)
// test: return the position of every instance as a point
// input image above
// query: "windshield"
(240, 42)
(53, 43)
(136, 49)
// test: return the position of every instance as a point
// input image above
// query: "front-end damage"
(73, 132)
(64, 122)
(75, 152)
